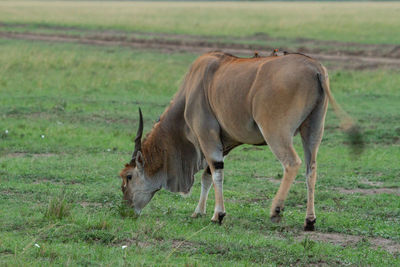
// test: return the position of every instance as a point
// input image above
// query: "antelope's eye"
(129, 177)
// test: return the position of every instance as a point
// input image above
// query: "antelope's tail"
(347, 124)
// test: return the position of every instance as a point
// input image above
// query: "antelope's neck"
(154, 151)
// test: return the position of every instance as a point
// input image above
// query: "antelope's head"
(137, 189)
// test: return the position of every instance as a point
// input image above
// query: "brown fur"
(153, 149)
(123, 172)
(123, 175)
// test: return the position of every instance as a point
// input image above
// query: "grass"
(361, 22)
(70, 112)
(58, 207)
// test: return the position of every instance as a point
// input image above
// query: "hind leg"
(311, 133)
(281, 144)
(311, 177)
(291, 163)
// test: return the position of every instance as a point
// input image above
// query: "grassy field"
(68, 115)
(373, 23)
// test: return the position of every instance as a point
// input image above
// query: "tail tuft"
(347, 125)
(356, 140)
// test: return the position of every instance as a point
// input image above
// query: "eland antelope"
(226, 101)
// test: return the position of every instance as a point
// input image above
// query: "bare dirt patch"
(352, 240)
(24, 154)
(305, 45)
(370, 191)
(55, 181)
(182, 43)
(85, 204)
(176, 244)
(8, 192)
(377, 188)
(183, 244)
(269, 179)
(273, 179)
(133, 242)
(45, 180)
(372, 183)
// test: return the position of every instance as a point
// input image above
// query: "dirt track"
(345, 240)
(181, 43)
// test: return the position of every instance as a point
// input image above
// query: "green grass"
(361, 22)
(71, 113)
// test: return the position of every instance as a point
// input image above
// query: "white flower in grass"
(6, 131)
(42, 136)
(108, 149)
(37, 245)
(124, 247)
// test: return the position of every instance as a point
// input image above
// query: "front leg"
(218, 179)
(206, 129)
(206, 181)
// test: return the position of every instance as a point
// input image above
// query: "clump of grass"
(102, 225)
(98, 236)
(307, 244)
(125, 211)
(58, 207)
(99, 224)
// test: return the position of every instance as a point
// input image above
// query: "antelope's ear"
(139, 161)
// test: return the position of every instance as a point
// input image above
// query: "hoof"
(276, 216)
(218, 220)
(309, 225)
(197, 215)
(221, 216)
